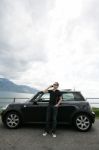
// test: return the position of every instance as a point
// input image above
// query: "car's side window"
(78, 97)
(68, 97)
(45, 97)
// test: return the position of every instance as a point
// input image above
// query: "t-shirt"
(54, 96)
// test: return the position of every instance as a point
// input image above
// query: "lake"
(8, 97)
(94, 102)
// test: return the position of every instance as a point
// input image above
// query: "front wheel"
(12, 120)
(82, 122)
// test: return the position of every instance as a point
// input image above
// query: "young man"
(54, 102)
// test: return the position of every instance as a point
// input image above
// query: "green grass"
(0, 110)
(96, 110)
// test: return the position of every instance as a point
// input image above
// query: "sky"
(46, 41)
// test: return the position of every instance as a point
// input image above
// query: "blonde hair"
(56, 83)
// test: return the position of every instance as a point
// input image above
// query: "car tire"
(82, 122)
(12, 120)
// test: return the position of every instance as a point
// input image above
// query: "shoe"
(45, 133)
(53, 135)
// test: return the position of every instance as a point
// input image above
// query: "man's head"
(56, 85)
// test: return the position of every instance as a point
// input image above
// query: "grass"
(96, 110)
(0, 110)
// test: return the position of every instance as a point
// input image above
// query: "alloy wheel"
(83, 122)
(12, 120)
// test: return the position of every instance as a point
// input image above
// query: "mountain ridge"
(9, 86)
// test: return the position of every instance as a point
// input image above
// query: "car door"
(66, 108)
(35, 111)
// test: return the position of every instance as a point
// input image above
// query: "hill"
(9, 86)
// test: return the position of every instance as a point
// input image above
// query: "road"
(29, 137)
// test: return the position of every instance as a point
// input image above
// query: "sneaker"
(53, 135)
(45, 133)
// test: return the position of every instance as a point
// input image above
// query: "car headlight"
(5, 107)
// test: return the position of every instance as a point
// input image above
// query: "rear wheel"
(12, 120)
(82, 122)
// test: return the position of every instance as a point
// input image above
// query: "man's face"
(55, 85)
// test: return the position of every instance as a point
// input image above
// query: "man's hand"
(50, 86)
(46, 90)
(56, 105)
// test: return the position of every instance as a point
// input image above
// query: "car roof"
(69, 91)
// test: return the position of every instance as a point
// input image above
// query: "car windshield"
(45, 97)
(36, 96)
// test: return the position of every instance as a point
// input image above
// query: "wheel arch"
(78, 113)
(13, 111)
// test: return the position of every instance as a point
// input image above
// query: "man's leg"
(54, 119)
(48, 117)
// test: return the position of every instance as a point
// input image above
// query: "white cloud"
(51, 41)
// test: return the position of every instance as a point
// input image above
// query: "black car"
(74, 110)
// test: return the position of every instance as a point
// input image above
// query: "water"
(8, 97)
(94, 102)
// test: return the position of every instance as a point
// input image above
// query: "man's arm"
(60, 100)
(46, 90)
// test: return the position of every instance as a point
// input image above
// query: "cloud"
(22, 35)
(75, 45)
(42, 41)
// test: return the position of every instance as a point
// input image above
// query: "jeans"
(51, 118)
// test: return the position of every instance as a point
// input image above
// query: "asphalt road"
(29, 137)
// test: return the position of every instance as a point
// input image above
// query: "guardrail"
(5, 101)
(93, 101)
(13, 100)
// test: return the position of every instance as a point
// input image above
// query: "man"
(54, 102)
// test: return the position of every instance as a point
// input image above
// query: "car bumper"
(93, 117)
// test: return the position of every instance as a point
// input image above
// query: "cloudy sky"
(42, 41)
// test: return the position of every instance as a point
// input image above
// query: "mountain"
(9, 86)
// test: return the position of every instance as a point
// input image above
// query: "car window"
(38, 97)
(78, 97)
(45, 97)
(68, 97)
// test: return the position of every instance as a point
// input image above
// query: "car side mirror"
(40, 100)
(35, 103)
